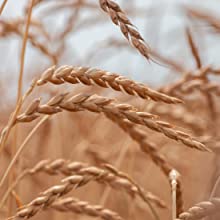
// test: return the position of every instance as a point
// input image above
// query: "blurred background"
(79, 33)
(162, 23)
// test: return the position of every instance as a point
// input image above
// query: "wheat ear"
(100, 104)
(120, 19)
(179, 113)
(13, 27)
(84, 176)
(150, 149)
(67, 168)
(75, 205)
(198, 84)
(201, 210)
(90, 76)
(204, 16)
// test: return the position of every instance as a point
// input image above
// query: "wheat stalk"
(6, 130)
(197, 58)
(20, 150)
(194, 49)
(202, 15)
(9, 27)
(3, 6)
(175, 188)
(72, 20)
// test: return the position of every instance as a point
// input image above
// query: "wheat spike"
(90, 76)
(204, 16)
(101, 104)
(201, 210)
(72, 204)
(83, 176)
(198, 84)
(120, 19)
(149, 148)
(9, 27)
(67, 168)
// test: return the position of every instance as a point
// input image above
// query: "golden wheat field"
(109, 109)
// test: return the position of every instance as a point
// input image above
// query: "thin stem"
(20, 82)
(214, 190)
(173, 181)
(23, 50)
(118, 163)
(12, 186)
(6, 131)
(21, 148)
(3, 6)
